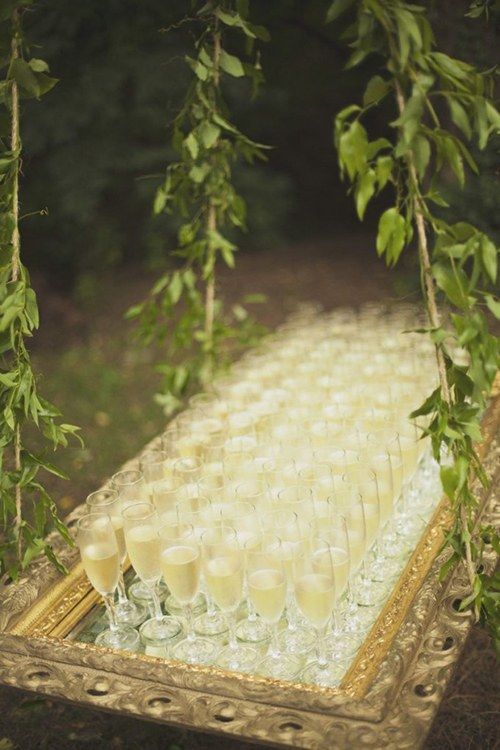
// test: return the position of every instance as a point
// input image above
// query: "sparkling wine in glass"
(96, 540)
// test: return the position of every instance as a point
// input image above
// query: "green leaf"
(489, 256)
(377, 145)
(449, 66)
(449, 480)
(364, 191)
(452, 283)
(493, 305)
(421, 154)
(383, 170)
(175, 288)
(493, 115)
(209, 133)
(460, 117)
(38, 66)
(409, 120)
(376, 89)
(353, 148)
(231, 64)
(391, 235)
(24, 76)
(160, 201)
(192, 145)
(337, 8)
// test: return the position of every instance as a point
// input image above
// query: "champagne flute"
(293, 540)
(340, 644)
(199, 512)
(242, 517)
(348, 503)
(314, 588)
(223, 564)
(267, 585)
(131, 487)
(107, 503)
(143, 546)
(96, 540)
(181, 568)
(367, 591)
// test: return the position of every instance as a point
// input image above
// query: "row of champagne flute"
(309, 561)
(313, 423)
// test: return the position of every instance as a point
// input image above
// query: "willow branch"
(432, 311)
(15, 143)
(425, 262)
(212, 212)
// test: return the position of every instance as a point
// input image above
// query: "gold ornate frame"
(387, 698)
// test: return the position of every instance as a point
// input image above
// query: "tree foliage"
(21, 405)
(182, 310)
(458, 262)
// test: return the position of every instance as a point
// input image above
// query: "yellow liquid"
(224, 577)
(267, 590)
(181, 568)
(315, 595)
(117, 523)
(356, 547)
(372, 519)
(143, 546)
(336, 558)
(102, 566)
(386, 500)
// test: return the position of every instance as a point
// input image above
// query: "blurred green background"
(95, 149)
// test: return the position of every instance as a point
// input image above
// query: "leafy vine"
(458, 262)
(182, 310)
(23, 530)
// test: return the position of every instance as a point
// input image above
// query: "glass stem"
(274, 648)
(109, 601)
(321, 648)
(122, 593)
(189, 622)
(252, 614)
(210, 604)
(156, 601)
(231, 626)
(290, 613)
(335, 623)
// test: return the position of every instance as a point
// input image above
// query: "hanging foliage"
(426, 89)
(183, 310)
(27, 509)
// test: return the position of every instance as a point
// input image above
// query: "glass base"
(123, 637)
(158, 632)
(196, 651)
(141, 594)
(297, 641)
(130, 613)
(239, 659)
(252, 631)
(210, 624)
(396, 547)
(359, 620)
(330, 675)
(342, 645)
(384, 569)
(409, 526)
(369, 593)
(280, 667)
(173, 607)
